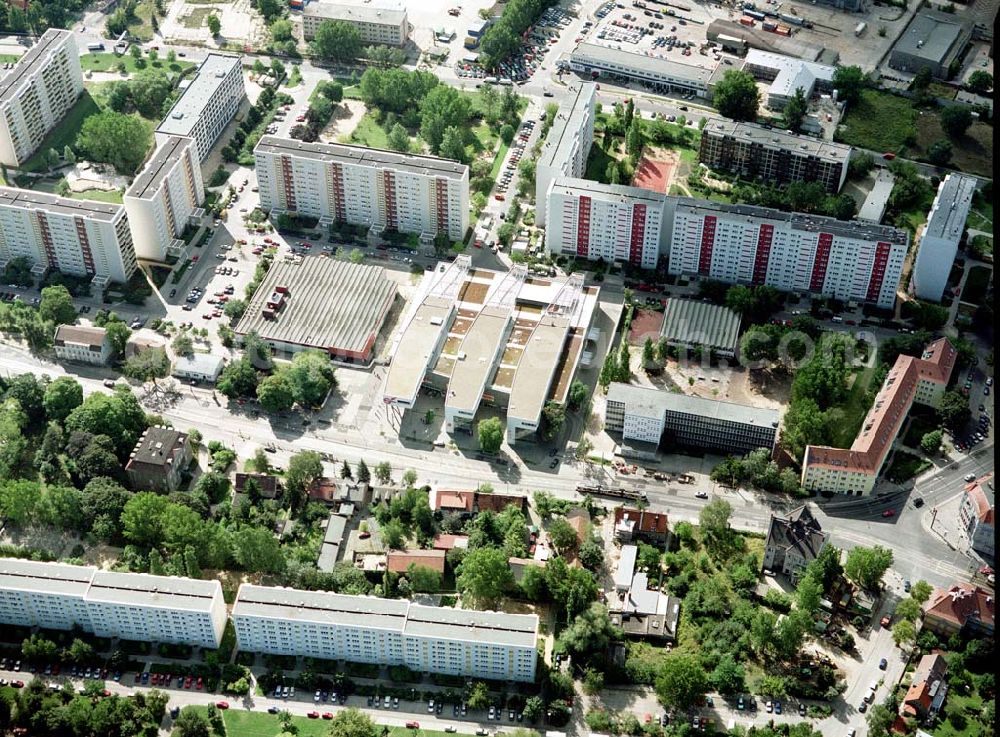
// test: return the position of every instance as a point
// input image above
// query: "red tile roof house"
(268, 485)
(448, 542)
(399, 561)
(964, 608)
(640, 524)
(473, 502)
(928, 688)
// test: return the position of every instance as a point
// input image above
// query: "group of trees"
(119, 139)
(248, 132)
(149, 93)
(320, 110)
(337, 40)
(809, 197)
(617, 366)
(503, 38)
(737, 96)
(758, 470)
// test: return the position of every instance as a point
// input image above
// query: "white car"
(701, 495)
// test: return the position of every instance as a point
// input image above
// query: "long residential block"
(855, 470)
(164, 197)
(745, 244)
(207, 104)
(941, 236)
(776, 157)
(132, 606)
(382, 190)
(366, 629)
(76, 237)
(610, 222)
(567, 144)
(34, 96)
(377, 23)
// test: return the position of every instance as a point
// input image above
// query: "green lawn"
(498, 161)
(905, 467)
(854, 408)
(976, 284)
(961, 717)
(113, 197)
(65, 133)
(9, 58)
(369, 133)
(981, 214)
(109, 63)
(879, 121)
(262, 724)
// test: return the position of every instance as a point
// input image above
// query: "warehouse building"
(773, 156)
(854, 471)
(382, 190)
(941, 236)
(128, 606)
(691, 325)
(567, 145)
(35, 95)
(207, 104)
(736, 38)
(654, 417)
(317, 302)
(933, 40)
(508, 339)
(609, 222)
(793, 252)
(660, 75)
(164, 199)
(380, 23)
(364, 629)
(77, 237)
(787, 74)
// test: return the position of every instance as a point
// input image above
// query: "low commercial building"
(605, 222)
(665, 418)
(963, 608)
(854, 471)
(165, 198)
(324, 303)
(567, 145)
(381, 190)
(333, 538)
(793, 252)
(788, 74)
(399, 561)
(130, 606)
(878, 197)
(933, 40)
(692, 325)
(380, 23)
(773, 156)
(506, 338)
(366, 629)
(660, 75)
(198, 367)
(83, 344)
(35, 95)
(736, 38)
(78, 237)
(160, 457)
(976, 515)
(793, 542)
(207, 105)
(941, 236)
(626, 568)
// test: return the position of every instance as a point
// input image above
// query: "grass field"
(879, 121)
(109, 63)
(971, 153)
(976, 284)
(369, 133)
(854, 410)
(498, 161)
(197, 17)
(961, 717)
(65, 133)
(262, 724)
(981, 214)
(9, 58)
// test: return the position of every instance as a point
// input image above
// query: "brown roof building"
(448, 542)
(159, 458)
(81, 343)
(631, 524)
(927, 689)
(911, 380)
(268, 485)
(964, 608)
(399, 561)
(473, 502)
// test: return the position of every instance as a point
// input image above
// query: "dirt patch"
(645, 323)
(657, 169)
(346, 117)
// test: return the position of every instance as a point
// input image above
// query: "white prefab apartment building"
(382, 190)
(208, 103)
(34, 96)
(941, 236)
(567, 145)
(77, 237)
(133, 606)
(744, 244)
(605, 221)
(377, 22)
(164, 198)
(366, 629)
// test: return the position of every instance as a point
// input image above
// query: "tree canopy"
(736, 95)
(115, 138)
(337, 40)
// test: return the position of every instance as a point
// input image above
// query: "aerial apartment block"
(941, 236)
(365, 629)
(207, 104)
(611, 222)
(383, 190)
(164, 198)
(34, 96)
(651, 416)
(567, 145)
(381, 22)
(776, 157)
(76, 237)
(794, 252)
(854, 471)
(131, 606)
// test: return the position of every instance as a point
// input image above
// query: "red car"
(222, 704)
(300, 119)
(478, 243)
(194, 258)
(499, 197)
(199, 684)
(889, 513)
(17, 684)
(327, 715)
(888, 156)
(413, 725)
(313, 715)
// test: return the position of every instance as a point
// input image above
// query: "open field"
(197, 17)
(879, 121)
(261, 724)
(854, 410)
(109, 63)
(65, 133)
(972, 153)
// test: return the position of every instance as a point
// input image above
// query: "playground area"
(656, 169)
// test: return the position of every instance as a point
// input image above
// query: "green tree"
(142, 519)
(383, 472)
(118, 334)
(562, 534)
(728, 677)
(312, 377)
(117, 415)
(281, 30)
(955, 120)
(453, 144)
(484, 575)
(257, 550)
(37, 647)
(275, 392)
(479, 696)
(921, 591)
(578, 395)
(56, 306)
(795, 111)
(939, 152)
(191, 723)
(423, 579)
(214, 24)
(147, 365)
(809, 594)
(849, 83)
(588, 636)
(866, 566)
(490, 432)
(930, 443)
(398, 139)
(980, 82)
(681, 682)
(953, 409)
(352, 722)
(182, 345)
(337, 41)
(364, 475)
(736, 95)
(80, 651)
(443, 107)
(238, 379)
(303, 468)
(591, 554)
(62, 396)
(113, 138)
(714, 522)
